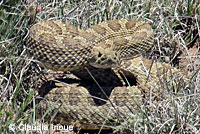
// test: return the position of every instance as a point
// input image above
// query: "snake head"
(104, 58)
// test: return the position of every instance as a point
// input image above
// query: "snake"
(82, 104)
(63, 47)
(100, 49)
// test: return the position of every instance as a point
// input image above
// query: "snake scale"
(66, 48)
(104, 46)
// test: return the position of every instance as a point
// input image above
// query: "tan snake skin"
(77, 104)
(66, 48)
(114, 43)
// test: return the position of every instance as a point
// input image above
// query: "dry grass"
(177, 37)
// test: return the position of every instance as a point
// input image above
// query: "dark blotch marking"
(130, 24)
(120, 42)
(72, 30)
(71, 43)
(47, 38)
(88, 36)
(114, 25)
(144, 26)
(55, 26)
(140, 35)
(99, 29)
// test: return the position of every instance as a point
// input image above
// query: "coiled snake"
(66, 48)
(111, 44)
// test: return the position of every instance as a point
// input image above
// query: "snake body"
(83, 105)
(63, 47)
